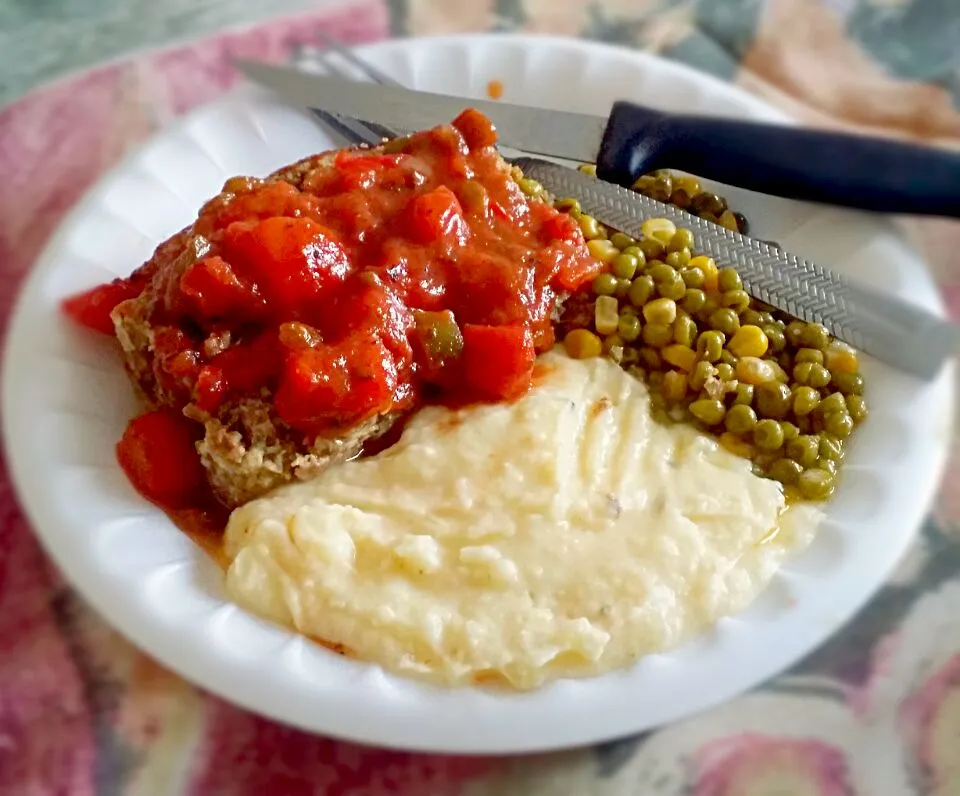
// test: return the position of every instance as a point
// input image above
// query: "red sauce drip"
(385, 282)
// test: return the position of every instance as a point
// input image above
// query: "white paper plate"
(66, 401)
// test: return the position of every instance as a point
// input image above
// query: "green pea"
(805, 400)
(692, 277)
(834, 402)
(590, 227)
(790, 431)
(623, 287)
(682, 239)
(737, 300)
(693, 300)
(568, 205)
(622, 240)
(678, 259)
(812, 374)
(744, 394)
(637, 252)
(786, 471)
(725, 320)
(838, 424)
(710, 346)
(830, 465)
(794, 331)
(857, 407)
(768, 435)
(529, 187)
(728, 279)
(708, 411)
(830, 448)
(628, 327)
(657, 335)
(740, 419)
(816, 484)
(650, 357)
(776, 338)
(725, 371)
(815, 336)
(673, 288)
(848, 383)
(605, 285)
(651, 248)
(809, 355)
(729, 358)
(699, 375)
(684, 330)
(805, 450)
(641, 289)
(773, 400)
(661, 272)
(624, 266)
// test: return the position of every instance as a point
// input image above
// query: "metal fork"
(353, 130)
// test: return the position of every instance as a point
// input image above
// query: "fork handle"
(811, 165)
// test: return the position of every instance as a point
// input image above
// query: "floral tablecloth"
(874, 712)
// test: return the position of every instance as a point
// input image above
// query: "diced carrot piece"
(336, 385)
(437, 216)
(159, 455)
(498, 360)
(92, 308)
(212, 286)
(291, 260)
(477, 130)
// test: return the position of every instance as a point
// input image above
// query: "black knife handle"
(812, 165)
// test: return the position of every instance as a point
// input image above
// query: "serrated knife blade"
(894, 331)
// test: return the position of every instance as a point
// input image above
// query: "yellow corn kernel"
(674, 386)
(753, 370)
(603, 250)
(582, 344)
(736, 445)
(588, 168)
(680, 356)
(663, 229)
(606, 315)
(841, 358)
(661, 311)
(707, 267)
(749, 341)
(729, 220)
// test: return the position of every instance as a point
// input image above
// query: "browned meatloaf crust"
(246, 448)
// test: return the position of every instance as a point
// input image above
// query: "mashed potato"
(565, 534)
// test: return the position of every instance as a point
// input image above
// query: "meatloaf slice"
(246, 449)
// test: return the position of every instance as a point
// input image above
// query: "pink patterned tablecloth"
(876, 711)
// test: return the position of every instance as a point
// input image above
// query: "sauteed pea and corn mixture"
(773, 389)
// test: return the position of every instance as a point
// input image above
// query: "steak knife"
(834, 168)
(901, 334)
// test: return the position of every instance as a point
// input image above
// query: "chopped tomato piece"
(477, 130)
(558, 226)
(211, 388)
(159, 455)
(498, 360)
(336, 385)
(248, 367)
(578, 266)
(92, 308)
(292, 261)
(273, 198)
(436, 217)
(212, 286)
(361, 160)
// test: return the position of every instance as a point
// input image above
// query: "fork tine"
(376, 130)
(353, 131)
(351, 58)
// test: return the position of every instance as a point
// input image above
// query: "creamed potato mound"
(564, 534)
